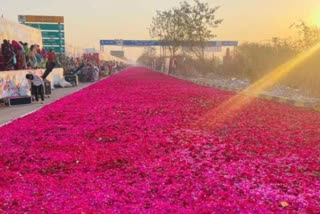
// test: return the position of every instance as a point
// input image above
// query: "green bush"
(194, 67)
(254, 60)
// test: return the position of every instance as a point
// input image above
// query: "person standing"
(37, 86)
(32, 57)
(8, 54)
(44, 54)
(38, 55)
(17, 49)
(23, 52)
(96, 71)
(27, 52)
(51, 63)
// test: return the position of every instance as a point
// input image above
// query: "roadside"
(236, 84)
(8, 114)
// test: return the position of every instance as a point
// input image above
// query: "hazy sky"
(88, 21)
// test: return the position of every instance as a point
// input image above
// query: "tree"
(166, 26)
(188, 25)
(309, 35)
(199, 22)
(147, 56)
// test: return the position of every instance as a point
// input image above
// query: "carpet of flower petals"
(138, 142)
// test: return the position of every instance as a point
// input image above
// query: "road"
(144, 142)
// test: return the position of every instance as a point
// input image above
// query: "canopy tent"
(10, 30)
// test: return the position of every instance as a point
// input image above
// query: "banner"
(49, 19)
(148, 43)
(52, 30)
(13, 31)
(42, 27)
(119, 54)
(15, 84)
(107, 57)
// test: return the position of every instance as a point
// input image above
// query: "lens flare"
(317, 19)
(229, 109)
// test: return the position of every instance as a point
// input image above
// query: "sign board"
(56, 49)
(41, 19)
(57, 42)
(52, 34)
(229, 43)
(119, 54)
(141, 43)
(119, 42)
(214, 49)
(52, 30)
(41, 26)
(134, 43)
(223, 43)
(145, 43)
(108, 42)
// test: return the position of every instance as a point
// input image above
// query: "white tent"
(14, 31)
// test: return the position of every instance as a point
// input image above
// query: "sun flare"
(227, 110)
(316, 19)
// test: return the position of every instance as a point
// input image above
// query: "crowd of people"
(90, 69)
(16, 55)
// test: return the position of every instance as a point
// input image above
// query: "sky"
(88, 21)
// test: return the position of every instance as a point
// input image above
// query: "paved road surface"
(8, 114)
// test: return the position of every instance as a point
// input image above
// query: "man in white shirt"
(96, 71)
(37, 86)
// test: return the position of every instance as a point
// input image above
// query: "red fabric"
(92, 58)
(51, 57)
(19, 60)
(16, 45)
(44, 53)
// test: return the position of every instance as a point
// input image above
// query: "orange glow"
(317, 19)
